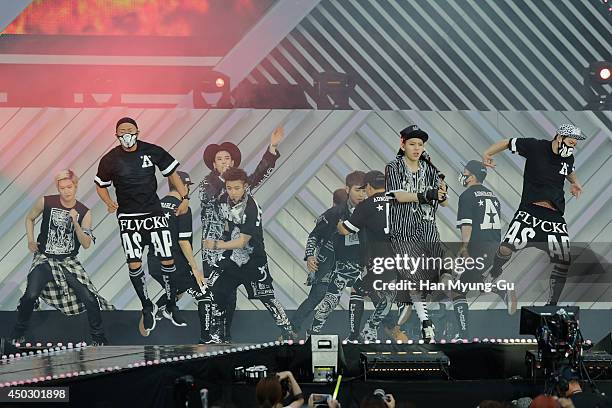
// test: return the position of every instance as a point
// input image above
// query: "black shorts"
(542, 228)
(254, 276)
(138, 230)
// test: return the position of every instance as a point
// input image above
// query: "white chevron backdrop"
(319, 149)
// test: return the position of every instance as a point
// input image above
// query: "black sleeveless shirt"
(57, 238)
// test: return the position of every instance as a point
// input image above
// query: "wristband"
(215, 244)
(422, 199)
(431, 195)
(183, 198)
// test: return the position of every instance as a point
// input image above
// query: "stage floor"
(134, 376)
(58, 363)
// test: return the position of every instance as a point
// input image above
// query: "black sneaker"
(160, 312)
(174, 315)
(148, 317)
(211, 340)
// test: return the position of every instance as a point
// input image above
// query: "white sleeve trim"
(168, 170)
(464, 221)
(350, 226)
(101, 183)
(513, 145)
(185, 234)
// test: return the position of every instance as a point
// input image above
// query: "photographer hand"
(390, 401)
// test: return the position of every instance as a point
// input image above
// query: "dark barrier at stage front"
(256, 326)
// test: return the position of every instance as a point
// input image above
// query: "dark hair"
(340, 196)
(268, 392)
(234, 174)
(126, 120)
(372, 401)
(354, 179)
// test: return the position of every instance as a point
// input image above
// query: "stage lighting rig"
(597, 85)
(212, 91)
(600, 71)
(333, 90)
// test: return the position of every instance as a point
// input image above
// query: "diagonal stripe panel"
(448, 54)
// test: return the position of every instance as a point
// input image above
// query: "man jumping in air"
(539, 221)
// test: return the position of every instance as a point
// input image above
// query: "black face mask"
(565, 150)
(463, 179)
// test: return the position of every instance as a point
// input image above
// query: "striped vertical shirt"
(406, 219)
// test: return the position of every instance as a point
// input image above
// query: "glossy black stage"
(134, 376)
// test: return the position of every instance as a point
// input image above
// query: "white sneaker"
(428, 331)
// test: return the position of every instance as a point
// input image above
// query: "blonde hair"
(66, 174)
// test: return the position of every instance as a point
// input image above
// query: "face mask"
(565, 150)
(463, 179)
(128, 140)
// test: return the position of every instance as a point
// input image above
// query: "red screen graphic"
(192, 18)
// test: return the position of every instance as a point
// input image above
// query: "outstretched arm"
(268, 161)
(576, 187)
(487, 156)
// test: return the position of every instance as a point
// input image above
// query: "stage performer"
(539, 221)
(218, 158)
(369, 221)
(348, 267)
(56, 275)
(416, 188)
(320, 258)
(188, 278)
(130, 167)
(478, 218)
(247, 262)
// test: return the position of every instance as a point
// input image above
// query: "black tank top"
(57, 238)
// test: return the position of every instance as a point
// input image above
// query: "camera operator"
(568, 386)
(378, 399)
(270, 391)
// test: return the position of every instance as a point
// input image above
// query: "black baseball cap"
(477, 169)
(184, 177)
(126, 120)
(413, 131)
(375, 179)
